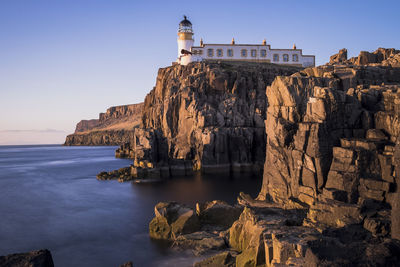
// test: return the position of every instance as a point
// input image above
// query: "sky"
(62, 61)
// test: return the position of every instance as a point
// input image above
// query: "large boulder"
(171, 220)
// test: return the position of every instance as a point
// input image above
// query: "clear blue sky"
(66, 60)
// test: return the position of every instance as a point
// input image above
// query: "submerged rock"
(37, 258)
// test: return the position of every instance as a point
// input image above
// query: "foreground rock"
(114, 127)
(38, 258)
(201, 231)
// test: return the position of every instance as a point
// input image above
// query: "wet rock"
(127, 264)
(122, 175)
(38, 258)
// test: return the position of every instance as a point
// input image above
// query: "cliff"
(204, 116)
(114, 127)
(331, 176)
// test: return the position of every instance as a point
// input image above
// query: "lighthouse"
(185, 41)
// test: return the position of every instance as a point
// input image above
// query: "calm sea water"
(50, 198)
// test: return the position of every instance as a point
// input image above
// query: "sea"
(50, 199)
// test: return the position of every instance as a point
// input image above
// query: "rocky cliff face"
(207, 116)
(114, 127)
(331, 174)
(328, 127)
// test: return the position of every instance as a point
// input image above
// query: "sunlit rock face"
(331, 135)
(205, 116)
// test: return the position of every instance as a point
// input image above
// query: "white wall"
(303, 60)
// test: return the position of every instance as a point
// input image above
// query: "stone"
(37, 258)
(171, 220)
(218, 213)
(200, 242)
(376, 134)
(224, 259)
(127, 264)
(339, 57)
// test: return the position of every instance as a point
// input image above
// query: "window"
(210, 52)
(243, 52)
(296, 58)
(285, 57)
(276, 57)
(253, 53)
(200, 52)
(230, 52)
(263, 53)
(219, 53)
(194, 52)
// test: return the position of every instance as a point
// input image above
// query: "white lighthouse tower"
(185, 42)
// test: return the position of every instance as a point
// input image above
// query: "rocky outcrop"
(382, 56)
(114, 127)
(204, 116)
(38, 258)
(339, 57)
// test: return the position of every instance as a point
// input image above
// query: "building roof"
(185, 22)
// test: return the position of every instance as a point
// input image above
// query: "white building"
(236, 52)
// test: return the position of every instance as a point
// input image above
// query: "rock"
(376, 134)
(171, 220)
(206, 116)
(114, 127)
(200, 242)
(127, 264)
(218, 213)
(224, 259)
(339, 57)
(122, 175)
(38, 258)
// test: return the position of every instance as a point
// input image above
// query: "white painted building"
(236, 52)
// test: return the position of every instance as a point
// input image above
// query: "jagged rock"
(122, 175)
(339, 57)
(171, 220)
(114, 127)
(224, 259)
(38, 258)
(217, 213)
